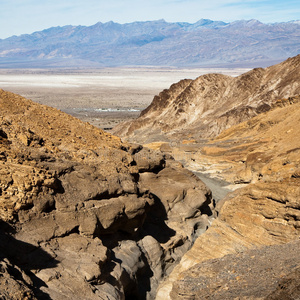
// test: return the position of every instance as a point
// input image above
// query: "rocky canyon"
(90, 215)
(84, 215)
(244, 132)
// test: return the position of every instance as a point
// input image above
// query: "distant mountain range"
(154, 43)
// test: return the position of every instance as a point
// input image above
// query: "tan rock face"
(263, 273)
(204, 107)
(251, 217)
(82, 215)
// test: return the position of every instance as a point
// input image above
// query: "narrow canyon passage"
(218, 187)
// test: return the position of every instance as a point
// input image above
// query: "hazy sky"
(26, 16)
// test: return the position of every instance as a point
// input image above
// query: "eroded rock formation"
(85, 216)
(253, 125)
(262, 214)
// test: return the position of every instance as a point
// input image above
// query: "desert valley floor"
(103, 97)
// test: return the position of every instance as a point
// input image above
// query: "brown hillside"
(264, 148)
(204, 107)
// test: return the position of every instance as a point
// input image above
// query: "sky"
(27, 16)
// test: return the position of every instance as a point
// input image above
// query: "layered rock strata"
(85, 216)
(262, 214)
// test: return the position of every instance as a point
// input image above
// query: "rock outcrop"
(84, 215)
(262, 214)
(245, 131)
(204, 107)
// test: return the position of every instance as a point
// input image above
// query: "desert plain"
(102, 97)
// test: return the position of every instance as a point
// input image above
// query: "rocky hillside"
(263, 148)
(244, 131)
(85, 216)
(202, 108)
(204, 43)
(251, 251)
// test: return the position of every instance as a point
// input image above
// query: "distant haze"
(154, 43)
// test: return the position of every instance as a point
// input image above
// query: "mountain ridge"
(204, 107)
(206, 42)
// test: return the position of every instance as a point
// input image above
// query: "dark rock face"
(85, 216)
